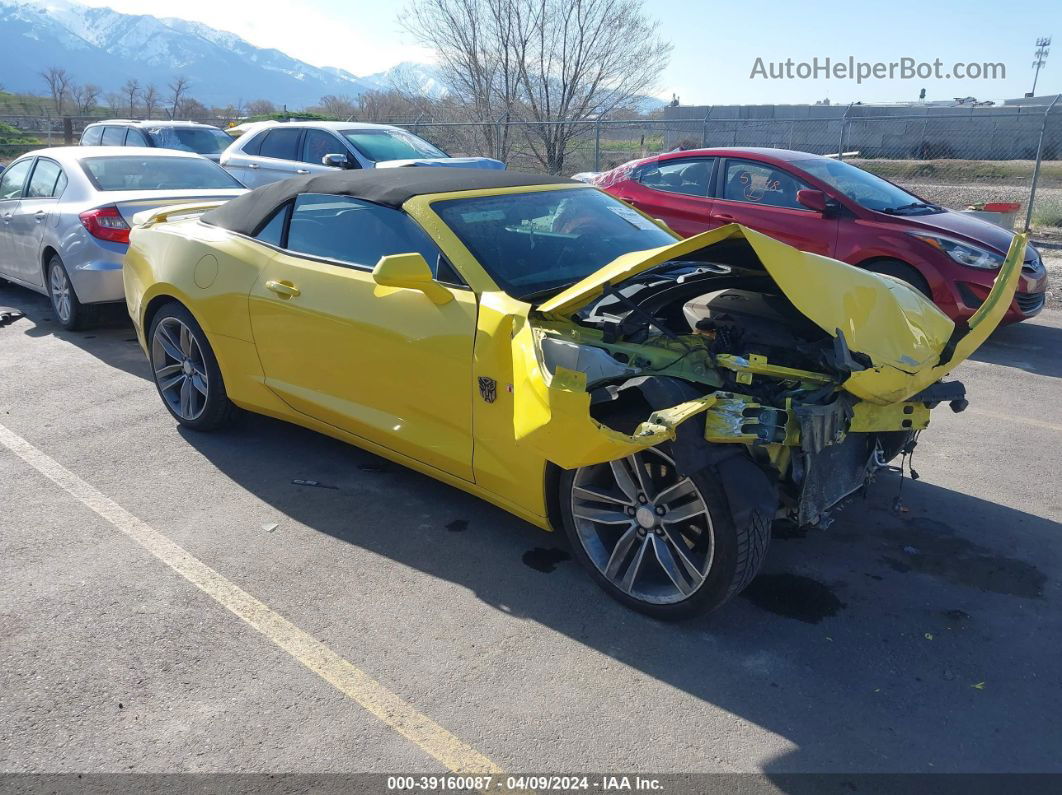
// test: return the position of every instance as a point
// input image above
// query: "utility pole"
(1041, 54)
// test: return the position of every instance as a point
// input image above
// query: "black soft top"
(391, 187)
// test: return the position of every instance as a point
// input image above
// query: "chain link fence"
(955, 156)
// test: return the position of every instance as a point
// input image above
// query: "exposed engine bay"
(714, 332)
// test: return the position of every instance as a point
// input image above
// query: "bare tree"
(233, 111)
(131, 90)
(192, 108)
(85, 97)
(341, 107)
(151, 100)
(478, 47)
(114, 103)
(384, 106)
(260, 107)
(178, 88)
(554, 64)
(59, 81)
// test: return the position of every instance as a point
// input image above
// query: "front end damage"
(795, 377)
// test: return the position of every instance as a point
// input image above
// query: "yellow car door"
(387, 364)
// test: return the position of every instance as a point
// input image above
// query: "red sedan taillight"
(106, 223)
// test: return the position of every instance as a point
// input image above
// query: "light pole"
(1042, 44)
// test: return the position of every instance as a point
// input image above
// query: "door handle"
(252, 165)
(302, 171)
(724, 217)
(283, 288)
(40, 215)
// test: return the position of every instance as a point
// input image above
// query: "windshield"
(379, 145)
(201, 140)
(864, 188)
(156, 173)
(540, 242)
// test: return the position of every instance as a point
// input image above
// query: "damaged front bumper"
(816, 446)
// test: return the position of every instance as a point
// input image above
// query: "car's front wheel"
(903, 272)
(659, 541)
(186, 371)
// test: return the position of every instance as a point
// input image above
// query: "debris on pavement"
(314, 483)
(9, 315)
(270, 527)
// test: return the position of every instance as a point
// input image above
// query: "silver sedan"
(65, 214)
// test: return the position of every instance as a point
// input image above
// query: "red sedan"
(830, 207)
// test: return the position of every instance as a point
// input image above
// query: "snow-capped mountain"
(107, 48)
(412, 78)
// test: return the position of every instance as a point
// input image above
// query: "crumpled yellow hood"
(902, 332)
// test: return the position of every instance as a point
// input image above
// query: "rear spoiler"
(161, 215)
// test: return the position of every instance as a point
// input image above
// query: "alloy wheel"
(180, 369)
(59, 287)
(645, 527)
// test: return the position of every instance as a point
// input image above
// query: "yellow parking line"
(390, 708)
(1011, 418)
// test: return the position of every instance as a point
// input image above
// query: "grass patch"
(963, 171)
(1047, 213)
(13, 142)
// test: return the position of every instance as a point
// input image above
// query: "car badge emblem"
(488, 389)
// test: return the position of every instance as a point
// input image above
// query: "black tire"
(70, 313)
(903, 272)
(217, 410)
(739, 551)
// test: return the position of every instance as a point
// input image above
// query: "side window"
(758, 183)
(281, 144)
(688, 176)
(319, 143)
(272, 232)
(14, 178)
(113, 136)
(254, 145)
(135, 138)
(43, 182)
(354, 231)
(91, 136)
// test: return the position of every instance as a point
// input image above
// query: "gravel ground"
(957, 197)
(1053, 262)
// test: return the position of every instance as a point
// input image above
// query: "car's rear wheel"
(186, 371)
(69, 311)
(903, 272)
(659, 541)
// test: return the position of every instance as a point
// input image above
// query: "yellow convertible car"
(543, 345)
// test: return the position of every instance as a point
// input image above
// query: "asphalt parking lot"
(918, 640)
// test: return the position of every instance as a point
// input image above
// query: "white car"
(279, 151)
(65, 215)
(184, 136)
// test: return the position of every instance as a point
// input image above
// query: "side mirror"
(812, 199)
(410, 271)
(336, 161)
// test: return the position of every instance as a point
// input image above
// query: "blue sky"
(716, 44)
